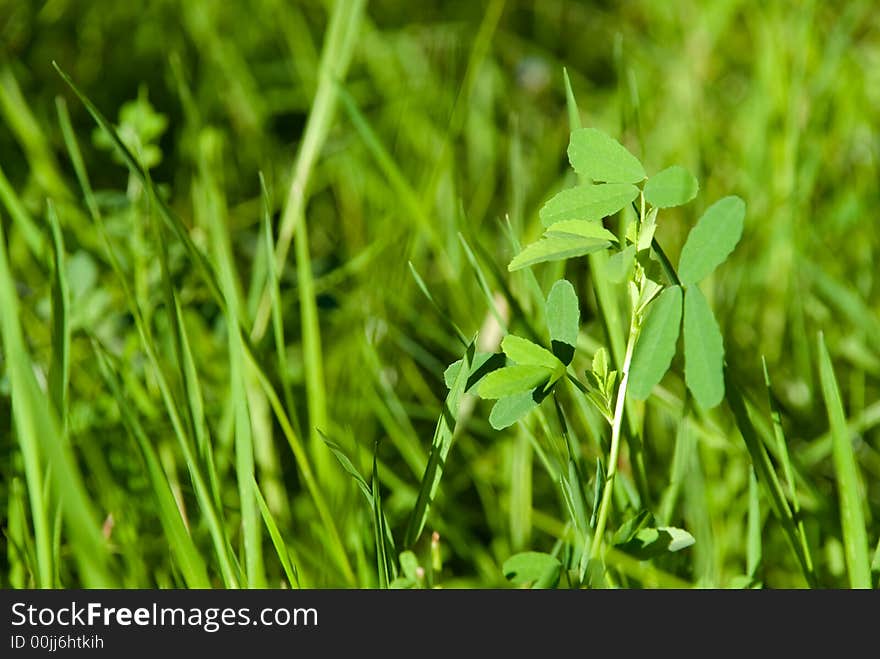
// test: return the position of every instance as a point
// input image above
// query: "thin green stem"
(605, 505)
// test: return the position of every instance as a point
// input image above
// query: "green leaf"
(524, 352)
(588, 202)
(556, 248)
(648, 543)
(673, 186)
(568, 228)
(510, 409)
(703, 350)
(563, 320)
(596, 156)
(656, 345)
(513, 380)
(532, 569)
(846, 471)
(712, 239)
(484, 362)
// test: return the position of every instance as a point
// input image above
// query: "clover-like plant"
(613, 179)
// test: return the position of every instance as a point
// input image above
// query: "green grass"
(241, 244)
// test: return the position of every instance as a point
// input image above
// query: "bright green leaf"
(556, 248)
(513, 380)
(656, 345)
(484, 362)
(846, 472)
(522, 351)
(563, 320)
(703, 350)
(673, 186)
(681, 539)
(568, 228)
(532, 569)
(596, 156)
(712, 239)
(588, 202)
(510, 409)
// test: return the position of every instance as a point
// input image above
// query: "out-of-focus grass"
(452, 121)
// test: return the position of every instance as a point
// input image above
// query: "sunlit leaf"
(556, 248)
(532, 569)
(563, 320)
(703, 350)
(712, 239)
(656, 345)
(588, 202)
(510, 409)
(596, 156)
(522, 351)
(673, 186)
(513, 380)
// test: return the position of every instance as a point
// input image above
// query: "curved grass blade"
(767, 477)
(174, 223)
(40, 438)
(846, 471)
(787, 467)
(443, 436)
(180, 543)
(287, 563)
(59, 368)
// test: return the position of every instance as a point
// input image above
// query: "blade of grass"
(306, 472)
(385, 562)
(336, 56)
(197, 257)
(766, 474)
(787, 468)
(754, 547)
(180, 544)
(287, 563)
(40, 438)
(213, 210)
(846, 471)
(277, 314)
(25, 224)
(59, 367)
(443, 435)
(203, 492)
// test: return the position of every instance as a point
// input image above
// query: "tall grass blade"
(766, 474)
(846, 471)
(287, 563)
(59, 368)
(443, 436)
(43, 449)
(180, 543)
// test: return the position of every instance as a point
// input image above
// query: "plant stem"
(615, 441)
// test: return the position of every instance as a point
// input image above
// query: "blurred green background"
(452, 120)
